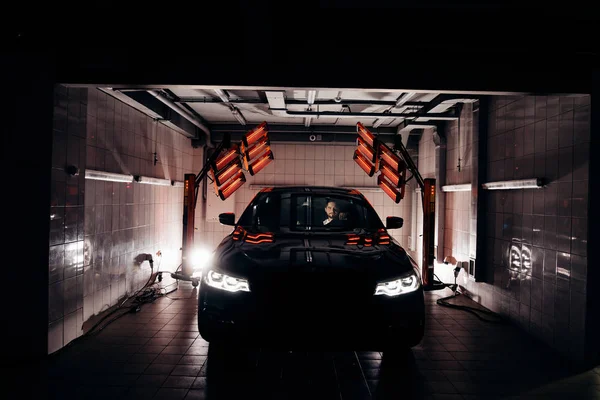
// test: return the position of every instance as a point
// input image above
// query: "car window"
(341, 213)
(270, 212)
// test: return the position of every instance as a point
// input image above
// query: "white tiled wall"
(124, 220)
(307, 164)
(527, 136)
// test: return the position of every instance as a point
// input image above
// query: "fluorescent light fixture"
(222, 95)
(307, 121)
(378, 123)
(152, 181)
(534, 183)
(238, 115)
(404, 98)
(311, 95)
(107, 176)
(177, 184)
(457, 188)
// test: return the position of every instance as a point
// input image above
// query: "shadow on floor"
(158, 353)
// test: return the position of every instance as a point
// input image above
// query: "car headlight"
(403, 285)
(226, 282)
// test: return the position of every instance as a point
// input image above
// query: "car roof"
(312, 189)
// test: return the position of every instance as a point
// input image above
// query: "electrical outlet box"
(471, 268)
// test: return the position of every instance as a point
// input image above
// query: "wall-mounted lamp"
(152, 181)
(534, 183)
(107, 176)
(457, 188)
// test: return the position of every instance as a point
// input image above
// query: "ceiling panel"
(185, 92)
(258, 112)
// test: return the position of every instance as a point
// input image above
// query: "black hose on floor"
(444, 303)
(475, 311)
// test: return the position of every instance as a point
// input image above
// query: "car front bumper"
(375, 324)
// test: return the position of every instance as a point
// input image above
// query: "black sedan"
(310, 267)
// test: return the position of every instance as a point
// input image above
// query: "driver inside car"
(333, 213)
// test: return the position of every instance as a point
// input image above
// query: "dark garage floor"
(157, 353)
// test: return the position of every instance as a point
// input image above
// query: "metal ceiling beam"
(210, 100)
(314, 129)
(305, 137)
(183, 112)
(310, 99)
(441, 98)
(129, 100)
(157, 110)
(224, 97)
(337, 114)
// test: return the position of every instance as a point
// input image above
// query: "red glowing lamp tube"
(258, 148)
(390, 158)
(255, 135)
(260, 163)
(365, 134)
(226, 158)
(364, 163)
(230, 170)
(367, 151)
(393, 176)
(230, 187)
(389, 188)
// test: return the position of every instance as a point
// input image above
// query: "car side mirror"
(227, 218)
(394, 222)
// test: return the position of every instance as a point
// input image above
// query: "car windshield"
(272, 212)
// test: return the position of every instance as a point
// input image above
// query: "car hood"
(320, 253)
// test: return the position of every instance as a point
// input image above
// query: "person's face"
(331, 209)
